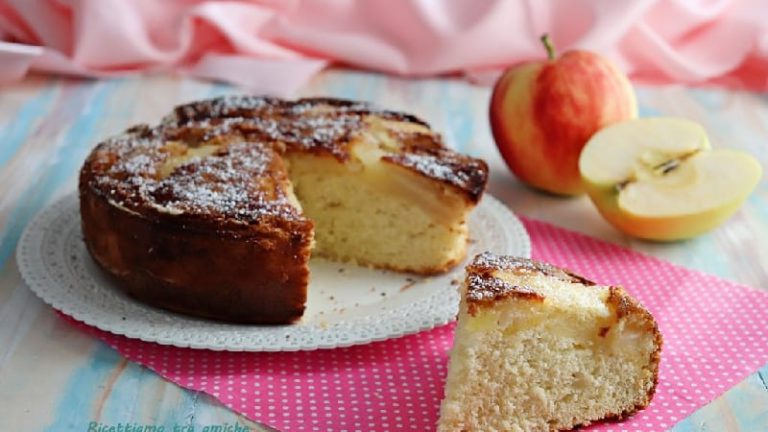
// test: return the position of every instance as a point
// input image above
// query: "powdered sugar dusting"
(461, 171)
(244, 180)
(486, 288)
(491, 261)
(325, 125)
(483, 285)
(240, 182)
(235, 183)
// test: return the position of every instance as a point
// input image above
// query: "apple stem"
(551, 53)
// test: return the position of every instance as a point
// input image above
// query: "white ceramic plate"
(347, 305)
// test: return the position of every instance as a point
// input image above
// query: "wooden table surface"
(56, 378)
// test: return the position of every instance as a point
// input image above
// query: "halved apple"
(658, 178)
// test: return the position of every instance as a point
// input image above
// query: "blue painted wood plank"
(14, 131)
(89, 100)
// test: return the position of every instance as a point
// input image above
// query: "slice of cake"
(538, 348)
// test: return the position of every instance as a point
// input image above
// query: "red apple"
(543, 113)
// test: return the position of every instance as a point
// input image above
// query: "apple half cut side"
(658, 178)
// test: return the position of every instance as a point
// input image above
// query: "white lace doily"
(347, 305)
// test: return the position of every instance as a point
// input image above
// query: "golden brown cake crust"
(217, 235)
(239, 190)
(625, 306)
(195, 272)
(483, 289)
(197, 239)
(330, 126)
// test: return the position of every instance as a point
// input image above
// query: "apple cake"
(538, 348)
(215, 211)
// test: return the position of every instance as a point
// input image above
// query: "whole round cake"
(215, 211)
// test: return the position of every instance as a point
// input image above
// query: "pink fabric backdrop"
(275, 46)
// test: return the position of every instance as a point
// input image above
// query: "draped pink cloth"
(274, 46)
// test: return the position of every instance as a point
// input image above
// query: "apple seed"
(670, 165)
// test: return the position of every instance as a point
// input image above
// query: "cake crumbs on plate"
(409, 282)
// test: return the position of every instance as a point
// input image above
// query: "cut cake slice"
(538, 348)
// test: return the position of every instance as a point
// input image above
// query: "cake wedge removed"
(538, 348)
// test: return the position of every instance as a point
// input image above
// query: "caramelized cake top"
(485, 284)
(219, 160)
(333, 127)
(164, 173)
(485, 287)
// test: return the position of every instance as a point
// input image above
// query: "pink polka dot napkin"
(714, 336)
